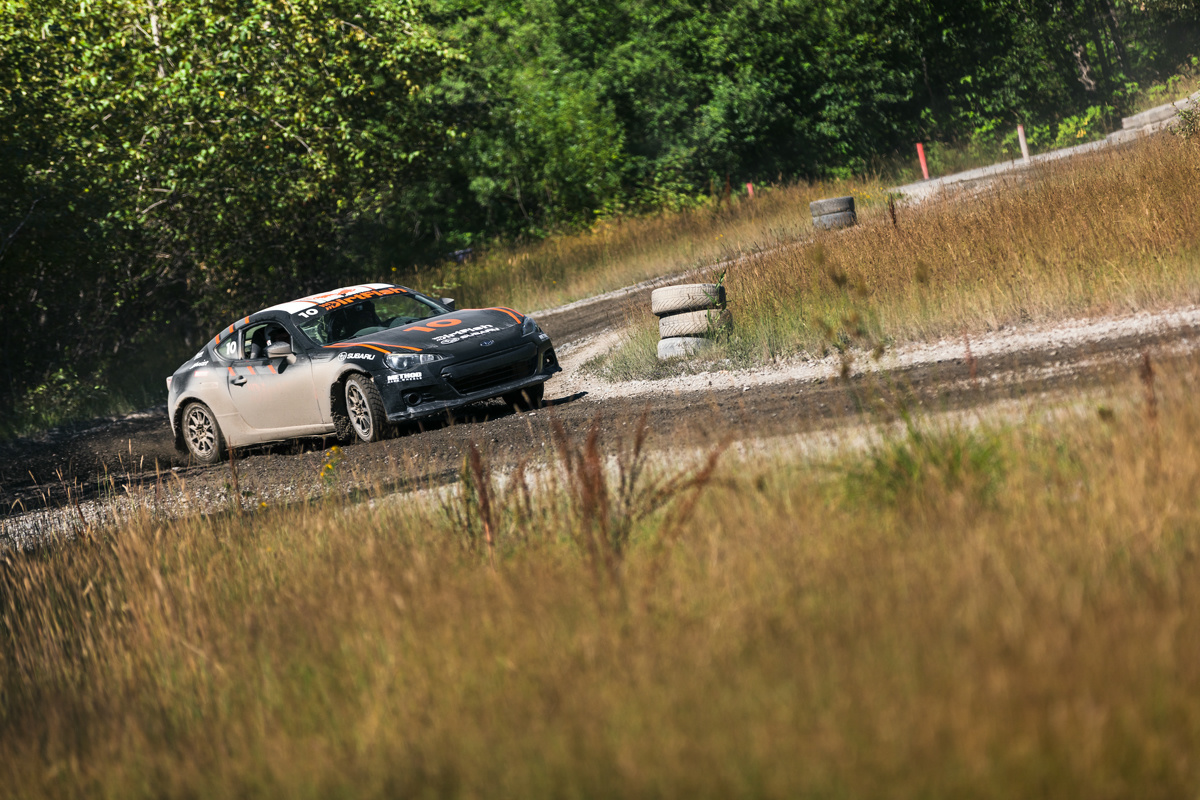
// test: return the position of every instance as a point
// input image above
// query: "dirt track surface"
(135, 454)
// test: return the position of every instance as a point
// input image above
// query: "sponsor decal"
(406, 376)
(542, 337)
(200, 362)
(201, 373)
(487, 343)
(465, 333)
(354, 298)
(356, 356)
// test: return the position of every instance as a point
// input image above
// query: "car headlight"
(402, 362)
(528, 326)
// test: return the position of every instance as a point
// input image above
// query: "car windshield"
(362, 315)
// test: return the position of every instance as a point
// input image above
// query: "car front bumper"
(464, 382)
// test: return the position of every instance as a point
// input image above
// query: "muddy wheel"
(527, 399)
(202, 434)
(364, 409)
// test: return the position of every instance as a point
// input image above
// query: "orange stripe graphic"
(508, 311)
(376, 346)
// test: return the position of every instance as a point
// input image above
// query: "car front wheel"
(364, 408)
(202, 434)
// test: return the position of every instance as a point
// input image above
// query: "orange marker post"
(750, 190)
(921, 155)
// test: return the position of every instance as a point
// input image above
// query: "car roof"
(324, 297)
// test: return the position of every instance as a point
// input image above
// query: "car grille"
(512, 371)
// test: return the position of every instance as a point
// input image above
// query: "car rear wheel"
(364, 408)
(526, 399)
(202, 434)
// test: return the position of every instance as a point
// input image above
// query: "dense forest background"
(166, 165)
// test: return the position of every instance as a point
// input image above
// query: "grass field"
(958, 610)
(1110, 233)
(619, 252)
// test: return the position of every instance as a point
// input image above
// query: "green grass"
(985, 611)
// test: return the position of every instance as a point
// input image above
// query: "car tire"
(833, 222)
(694, 323)
(682, 347)
(834, 205)
(686, 297)
(201, 434)
(528, 399)
(364, 409)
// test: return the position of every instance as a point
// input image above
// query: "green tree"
(168, 162)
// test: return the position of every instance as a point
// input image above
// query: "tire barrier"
(693, 323)
(688, 297)
(834, 213)
(682, 346)
(689, 317)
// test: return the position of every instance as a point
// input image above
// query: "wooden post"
(1024, 144)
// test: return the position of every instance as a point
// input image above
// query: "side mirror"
(279, 349)
(448, 302)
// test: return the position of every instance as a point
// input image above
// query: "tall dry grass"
(1110, 233)
(622, 251)
(958, 611)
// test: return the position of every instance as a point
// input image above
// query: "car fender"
(333, 375)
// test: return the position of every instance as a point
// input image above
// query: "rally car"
(351, 363)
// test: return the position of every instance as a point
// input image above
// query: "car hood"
(462, 333)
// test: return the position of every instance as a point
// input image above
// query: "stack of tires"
(689, 317)
(834, 213)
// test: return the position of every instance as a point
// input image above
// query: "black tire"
(686, 297)
(364, 409)
(832, 222)
(834, 205)
(528, 399)
(201, 434)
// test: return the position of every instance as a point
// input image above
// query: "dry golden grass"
(1109, 233)
(990, 612)
(623, 251)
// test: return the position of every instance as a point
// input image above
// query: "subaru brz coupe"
(351, 363)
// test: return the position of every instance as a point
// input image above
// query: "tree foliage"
(165, 165)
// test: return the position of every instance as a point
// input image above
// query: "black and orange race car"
(351, 363)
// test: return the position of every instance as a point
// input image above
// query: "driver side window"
(256, 339)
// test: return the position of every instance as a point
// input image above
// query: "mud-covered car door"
(272, 394)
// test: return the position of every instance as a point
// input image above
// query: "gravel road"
(76, 474)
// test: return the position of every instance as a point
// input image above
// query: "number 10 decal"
(433, 325)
